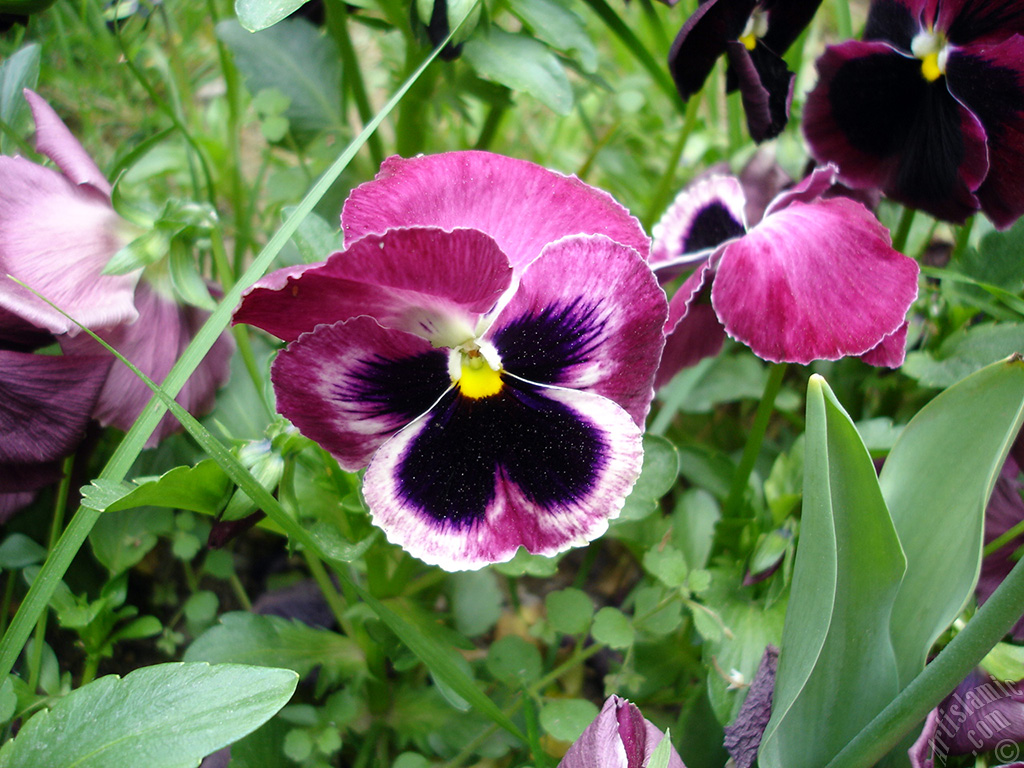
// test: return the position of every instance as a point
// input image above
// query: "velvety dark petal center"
(891, 21)
(404, 387)
(994, 94)
(451, 469)
(712, 226)
(540, 346)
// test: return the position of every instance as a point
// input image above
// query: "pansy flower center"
(757, 27)
(930, 46)
(476, 368)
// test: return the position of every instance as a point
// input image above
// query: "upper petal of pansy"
(765, 85)
(521, 205)
(971, 21)
(54, 140)
(786, 20)
(57, 237)
(811, 188)
(587, 315)
(45, 403)
(424, 280)
(477, 478)
(884, 125)
(702, 40)
(350, 386)
(703, 216)
(813, 282)
(153, 344)
(896, 21)
(619, 737)
(693, 329)
(990, 81)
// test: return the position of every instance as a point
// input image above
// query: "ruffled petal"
(587, 315)
(54, 140)
(989, 80)
(153, 344)
(890, 352)
(703, 39)
(521, 205)
(765, 85)
(45, 403)
(427, 281)
(814, 282)
(57, 238)
(693, 329)
(812, 187)
(702, 217)
(475, 479)
(875, 116)
(350, 386)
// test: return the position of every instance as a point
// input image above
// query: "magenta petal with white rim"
(476, 478)
(596, 329)
(521, 205)
(813, 282)
(701, 218)
(423, 280)
(619, 737)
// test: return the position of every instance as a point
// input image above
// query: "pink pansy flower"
(58, 230)
(485, 345)
(815, 279)
(620, 737)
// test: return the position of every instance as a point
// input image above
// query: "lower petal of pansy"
(890, 352)
(521, 205)
(814, 282)
(693, 329)
(475, 479)
(588, 314)
(350, 386)
(884, 125)
(428, 281)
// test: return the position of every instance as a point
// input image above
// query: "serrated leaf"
(559, 27)
(164, 716)
(837, 668)
(521, 63)
(613, 628)
(255, 15)
(202, 488)
(657, 476)
(937, 481)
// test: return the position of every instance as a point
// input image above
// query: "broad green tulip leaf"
(523, 64)
(936, 482)
(164, 716)
(255, 15)
(837, 668)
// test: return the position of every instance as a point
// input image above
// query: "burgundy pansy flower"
(983, 714)
(815, 279)
(619, 737)
(929, 108)
(753, 34)
(58, 230)
(486, 343)
(1005, 510)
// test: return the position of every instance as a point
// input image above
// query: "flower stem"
(659, 202)
(844, 24)
(992, 621)
(899, 238)
(741, 479)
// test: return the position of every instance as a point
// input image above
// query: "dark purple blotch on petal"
(539, 347)
(404, 387)
(712, 226)
(743, 735)
(519, 436)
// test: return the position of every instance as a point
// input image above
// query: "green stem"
(1007, 537)
(752, 450)
(667, 185)
(490, 127)
(963, 237)
(954, 662)
(844, 24)
(899, 238)
(323, 580)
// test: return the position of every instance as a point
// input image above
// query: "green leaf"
(667, 564)
(202, 488)
(837, 667)
(936, 482)
(121, 539)
(965, 352)
(19, 551)
(476, 601)
(315, 238)
(569, 610)
(297, 59)
(657, 476)
(521, 63)
(271, 641)
(164, 716)
(613, 628)
(565, 719)
(17, 72)
(255, 15)
(661, 754)
(514, 661)
(997, 260)
(559, 27)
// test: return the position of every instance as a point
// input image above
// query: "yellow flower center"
(930, 47)
(756, 28)
(476, 378)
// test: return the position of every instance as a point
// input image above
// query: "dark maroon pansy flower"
(929, 107)
(1005, 510)
(753, 35)
(619, 737)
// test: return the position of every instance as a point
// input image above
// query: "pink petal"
(54, 140)
(154, 343)
(890, 351)
(693, 329)
(521, 205)
(814, 282)
(702, 217)
(588, 315)
(426, 281)
(619, 737)
(476, 479)
(350, 386)
(56, 238)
